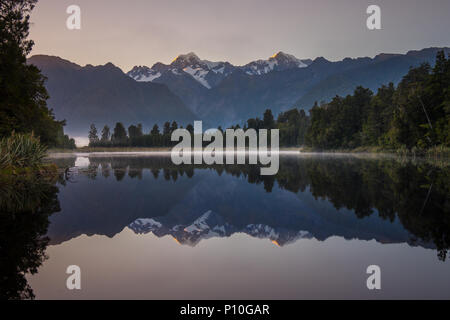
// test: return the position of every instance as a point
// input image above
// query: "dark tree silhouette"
(23, 97)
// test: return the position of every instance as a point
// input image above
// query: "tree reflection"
(25, 205)
(416, 193)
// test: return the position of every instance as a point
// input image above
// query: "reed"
(21, 150)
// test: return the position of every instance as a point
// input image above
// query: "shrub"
(21, 150)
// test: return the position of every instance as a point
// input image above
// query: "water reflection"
(388, 200)
(26, 202)
(345, 199)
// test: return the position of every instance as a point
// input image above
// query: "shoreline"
(294, 151)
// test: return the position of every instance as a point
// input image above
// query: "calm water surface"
(141, 227)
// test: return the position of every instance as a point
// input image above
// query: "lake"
(141, 227)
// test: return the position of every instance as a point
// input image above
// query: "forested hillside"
(415, 114)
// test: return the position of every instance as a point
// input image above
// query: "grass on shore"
(44, 171)
(21, 150)
(21, 157)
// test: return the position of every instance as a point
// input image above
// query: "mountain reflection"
(388, 200)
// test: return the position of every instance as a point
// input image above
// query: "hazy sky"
(142, 32)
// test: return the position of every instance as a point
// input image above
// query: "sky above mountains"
(142, 32)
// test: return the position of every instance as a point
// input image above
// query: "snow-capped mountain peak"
(210, 73)
(144, 74)
(288, 60)
(205, 72)
(277, 62)
(184, 60)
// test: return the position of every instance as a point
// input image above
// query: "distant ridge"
(105, 95)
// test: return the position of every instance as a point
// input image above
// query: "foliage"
(23, 106)
(413, 116)
(105, 134)
(120, 134)
(93, 136)
(21, 150)
(26, 202)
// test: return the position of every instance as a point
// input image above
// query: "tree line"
(413, 115)
(134, 135)
(292, 125)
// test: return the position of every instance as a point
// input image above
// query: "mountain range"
(105, 95)
(218, 93)
(210, 74)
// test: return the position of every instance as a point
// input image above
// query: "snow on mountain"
(146, 225)
(186, 60)
(278, 62)
(280, 237)
(198, 74)
(210, 225)
(209, 73)
(144, 74)
(199, 224)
